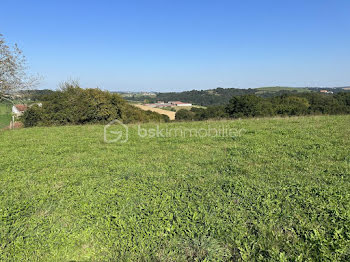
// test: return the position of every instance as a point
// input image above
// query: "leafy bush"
(73, 105)
(290, 105)
(184, 114)
(33, 116)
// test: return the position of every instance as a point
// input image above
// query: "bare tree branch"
(13, 71)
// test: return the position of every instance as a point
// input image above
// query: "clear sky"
(174, 45)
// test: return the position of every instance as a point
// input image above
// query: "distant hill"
(217, 96)
(220, 96)
(275, 89)
(199, 97)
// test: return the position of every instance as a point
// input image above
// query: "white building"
(179, 103)
(184, 104)
(18, 110)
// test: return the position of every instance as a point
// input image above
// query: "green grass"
(5, 114)
(278, 192)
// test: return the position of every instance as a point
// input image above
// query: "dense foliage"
(280, 191)
(283, 105)
(73, 105)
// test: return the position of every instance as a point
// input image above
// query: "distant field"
(5, 114)
(177, 108)
(279, 191)
(168, 113)
(280, 88)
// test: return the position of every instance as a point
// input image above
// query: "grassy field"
(277, 191)
(275, 89)
(5, 114)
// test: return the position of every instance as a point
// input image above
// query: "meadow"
(278, 191)
(5, 114)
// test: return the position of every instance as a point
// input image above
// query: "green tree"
(245, 106)
(74, 105)
(13, 71)
(291, 105)
(184, 114)
(33, 116)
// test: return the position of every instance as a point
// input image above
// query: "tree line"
(283, 105)
(72, 105)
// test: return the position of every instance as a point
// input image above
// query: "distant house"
(18, 110)
(326, 91)
(179, 103)
(346, 88)
(184, 104)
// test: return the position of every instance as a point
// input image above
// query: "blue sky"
(174, 45)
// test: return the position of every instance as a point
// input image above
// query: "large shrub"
(33, 116)
(290, 105)
(72, 105)
(184, 114)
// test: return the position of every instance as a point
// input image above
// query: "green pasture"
(272, 190)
